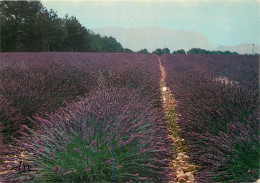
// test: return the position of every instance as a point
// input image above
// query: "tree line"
(29, 26)
(192, 51)
(160, 51)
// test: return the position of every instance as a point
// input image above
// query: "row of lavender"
(40, 83)
(240, 69)
(219, 121)
(85, 117)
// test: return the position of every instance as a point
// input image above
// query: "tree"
(198, 51)
(179, 52)
(160, 51)
(202, 51)
(55, 31)
(22, 30)
(20, 22)
(166, 51)
(78, 38)
(110, 44)
(96, 42)
(127, 50)
(144, 51)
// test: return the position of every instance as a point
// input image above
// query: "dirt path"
(183, 169)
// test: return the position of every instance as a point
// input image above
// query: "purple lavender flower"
(88, 169)
(56, 168)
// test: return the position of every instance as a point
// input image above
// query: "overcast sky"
(229, 22)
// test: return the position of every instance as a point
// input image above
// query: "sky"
(223, 22)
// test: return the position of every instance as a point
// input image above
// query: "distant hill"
(241, 49)
(152, 38)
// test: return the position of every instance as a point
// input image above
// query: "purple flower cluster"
(10, 124)
(41, 83)
(107, 97)
(123, 115)
(218, 120)
(240, 68)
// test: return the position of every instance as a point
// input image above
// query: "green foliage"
(54, 31)
(77, 38)
(19, 22)
(159, 51)
(245, 164)
(83, 162)
(202, 51)
(166, 50)
(179, 52)
(127, 50)
(144, 51)
(110, 44)
(29, 20)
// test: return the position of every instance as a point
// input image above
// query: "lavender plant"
(235, 159)
(10, 121)
(40, 83)
(239, 68)
(76, 144)
(218, 120)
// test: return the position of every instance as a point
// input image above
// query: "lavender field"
(100, 117)
(219, 117)
(77, 112)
